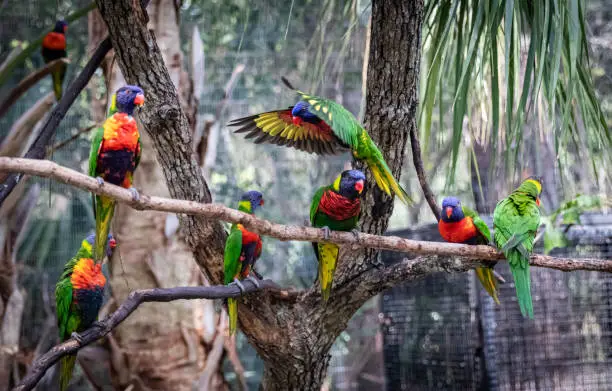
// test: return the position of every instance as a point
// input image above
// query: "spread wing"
(481, 226)
(277, 127)
(342, 121)
(231, 256)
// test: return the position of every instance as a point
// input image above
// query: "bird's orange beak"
(139, 100)
(359, 186)
(538, 201)
(449, 211)
(65, 28)
(261, 202)
(112, 243)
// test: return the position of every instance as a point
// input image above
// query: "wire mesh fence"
(444, 333)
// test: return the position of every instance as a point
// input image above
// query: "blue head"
(60, 27)
(127, 98)
(250, 201)
(451, 210)
(110, 244)
(350, 183)
(300, 113)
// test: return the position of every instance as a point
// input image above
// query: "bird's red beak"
(297, 121)
(261, 202)
(359, 186)
(112, 243)
(139, 100)
(65, 28)
(538, 201)
(449, 211)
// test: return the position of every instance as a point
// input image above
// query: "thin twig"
(44, 362)
(420, 171)
(65, 175)
(28, 82)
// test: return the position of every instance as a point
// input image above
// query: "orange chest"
(87, 275)
(120, 133)
(55, 41)
(458, 232)
(249, 237)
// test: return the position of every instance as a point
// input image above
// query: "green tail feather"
(58, 81)
(522, 281)
(66, 367)
(487, 279)
(232, 311)
(105, 208)
(385, 180)
(328, 257)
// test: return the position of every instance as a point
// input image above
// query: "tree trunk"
(292, 334)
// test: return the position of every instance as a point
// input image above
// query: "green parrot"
(242, 249)
(335, 207)
(321, 126)
(78, 298)
(114, 156)
(516, 220)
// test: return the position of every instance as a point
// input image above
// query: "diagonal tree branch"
(53, 170)
(28, 82)
(39, 147)
(99, 330)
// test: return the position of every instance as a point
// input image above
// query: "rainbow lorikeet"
(242, 249)
(114, 156)
(321, 126)
(78, 297)
(335, 207)
(516, 220)
(53, 48)
(459, 224)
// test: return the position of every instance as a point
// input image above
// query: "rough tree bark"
(161, 347)
(292, 337)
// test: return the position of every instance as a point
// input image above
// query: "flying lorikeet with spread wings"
(242, 249)
(516, 220)
(53, 48)
(114, 156)
(321, 126)
(78, 297)
(459, 224)
(335, 207)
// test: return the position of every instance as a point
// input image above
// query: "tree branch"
(99, 330)
(420, 170)
(38, 149)
(28, 82)
(65, 175)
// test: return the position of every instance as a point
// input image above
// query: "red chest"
(338, 207)
(458, 232)
(249, 237)
(54, 41)
(120, 133)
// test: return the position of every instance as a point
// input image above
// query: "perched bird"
(114, 156)
(335, 207)
(459, 224)
(78, 297)
(242, 249)
(516, 220)
(53, 48)
(321, 126)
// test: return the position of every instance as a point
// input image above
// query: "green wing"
(63, 301)
(343, 122)
(138, 153)
(481, 226)
(231, 257)
(96, 143)
(314, 205)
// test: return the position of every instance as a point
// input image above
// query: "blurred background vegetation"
(552, 124)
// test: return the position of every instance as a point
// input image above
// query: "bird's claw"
(355, 233)
(77, 337)
(100, 180)
(254, 280)
(257, 274)
(326, 232)
(135, 194)
(239, 285)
